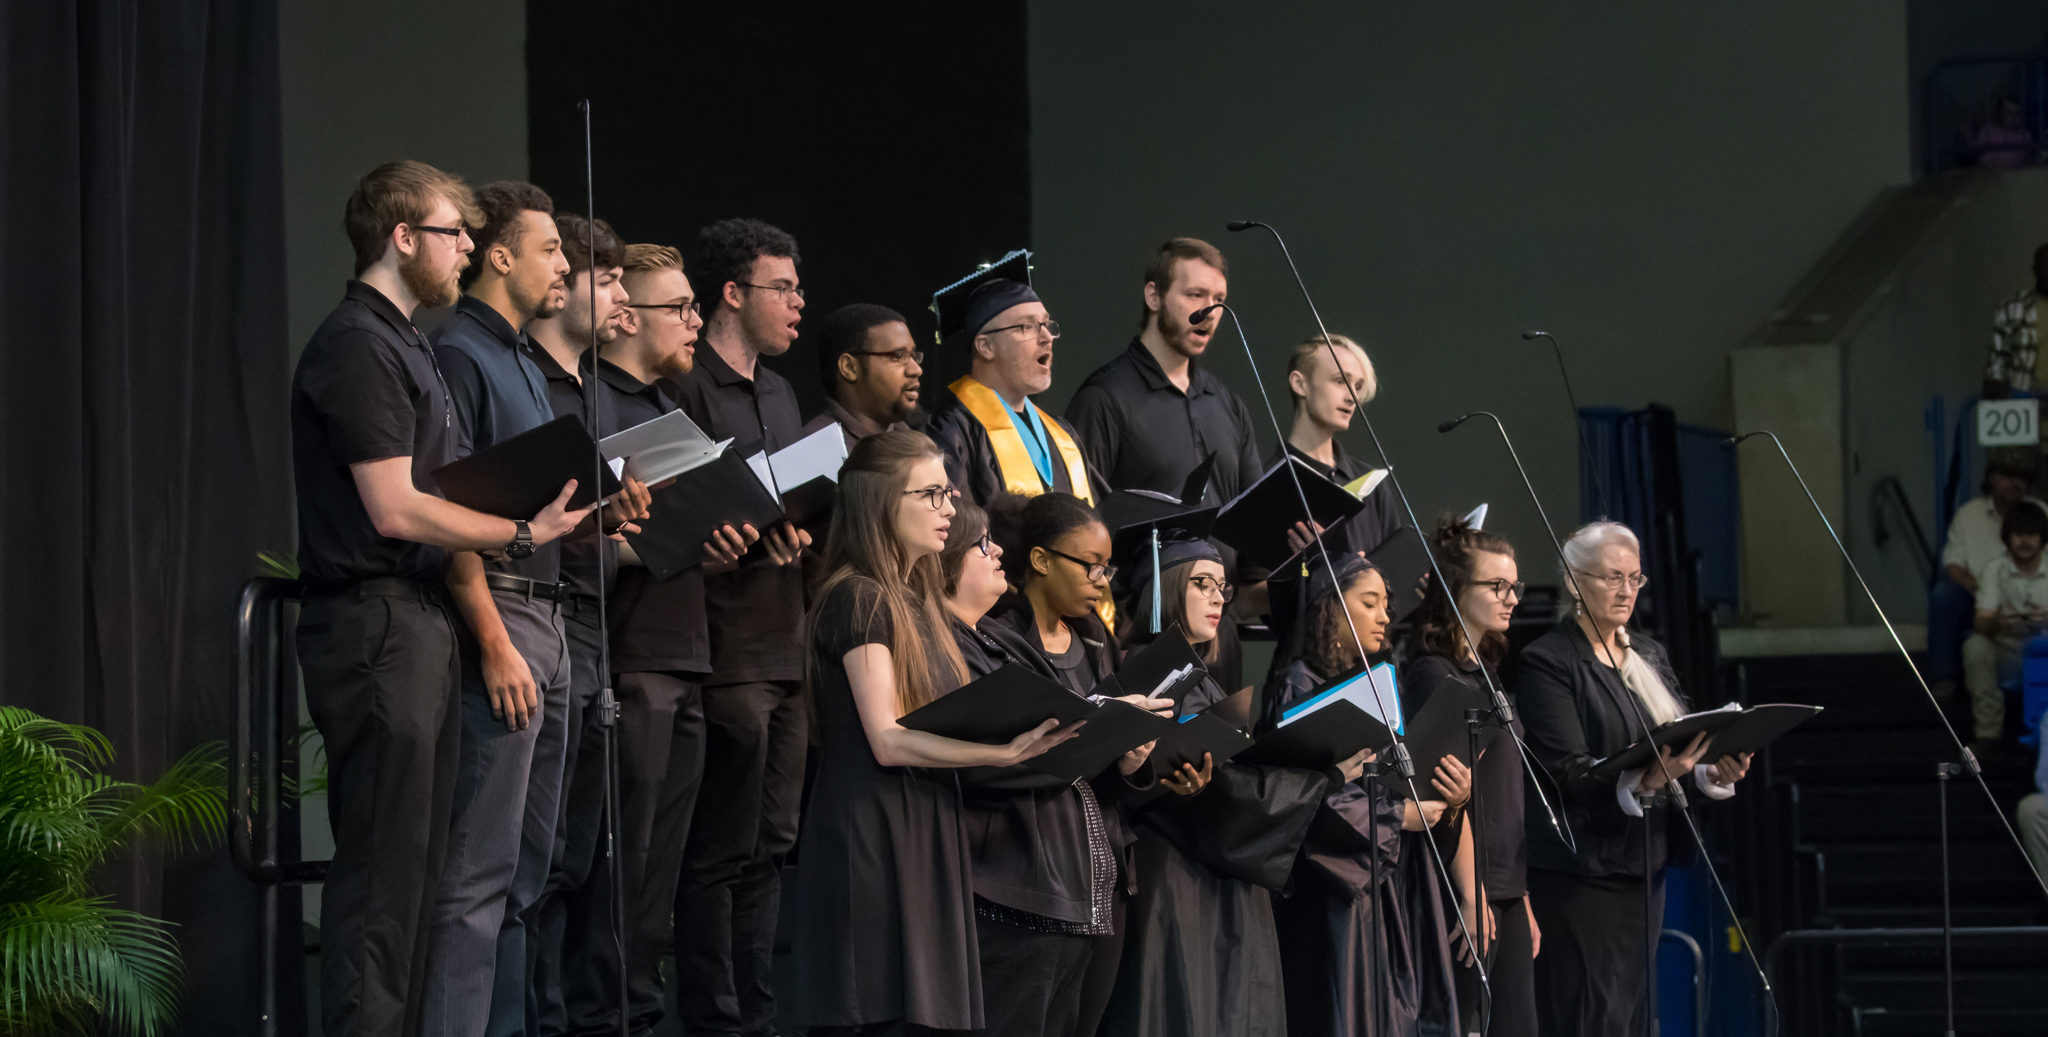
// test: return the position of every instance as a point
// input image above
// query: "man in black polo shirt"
(371, 418)
(756, 726)
(1148, 417)
(515, 673)
(870, 365)
(557, 346)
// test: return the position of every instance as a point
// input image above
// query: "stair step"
(1980, 989)
(1920, 1022)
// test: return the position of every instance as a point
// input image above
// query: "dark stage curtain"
(142, 399)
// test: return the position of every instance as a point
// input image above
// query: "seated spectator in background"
(2033, 812)
(2016, 338)
(2012, 606)
(1973, 542)
(870, 366)
(2005, 143)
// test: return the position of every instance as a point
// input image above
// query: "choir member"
(870, 366)
(1047, 853)
(1065, 574)
(1201, 952)
(1148, 417)
(884, 940)
(1324, 383)
(996, 439)
(1481, 577)
(1365, 950)
(1584, 691)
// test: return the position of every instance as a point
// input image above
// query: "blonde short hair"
(1304, 356)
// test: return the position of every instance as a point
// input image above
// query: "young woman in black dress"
(1479, 568)
(1201, 954)
(1364, 950)
(1046, 853)
(885, 939)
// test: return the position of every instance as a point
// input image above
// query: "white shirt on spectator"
(1973, 540)
(2003, 585)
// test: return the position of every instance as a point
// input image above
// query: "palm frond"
(86, 956)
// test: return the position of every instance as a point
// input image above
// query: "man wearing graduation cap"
(995, 438)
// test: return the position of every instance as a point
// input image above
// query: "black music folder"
(518, 477)
(999, 707)
(1114, 728)
(723, 492)
(1257, 521)
(1167, 668)
(1320, 740)
(1212, 731)
(1402, 559)
(1732, 729)
(1435, 731)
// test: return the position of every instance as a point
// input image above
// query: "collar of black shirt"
(1199, 382)
(549, 368)
(494, 322)
(382, 306)
(722, 372)
(1343, 467)
(617, 377)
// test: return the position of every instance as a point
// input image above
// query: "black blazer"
(1576, 711)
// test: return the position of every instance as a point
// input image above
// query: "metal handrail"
(1699, 978)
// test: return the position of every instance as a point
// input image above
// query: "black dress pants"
(661, 761)
(1589, 978)
(745, 824)
(1511, 972)
(560, 936)
(1030, 981)
(381, 674)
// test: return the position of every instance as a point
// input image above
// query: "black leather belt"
(526, 588)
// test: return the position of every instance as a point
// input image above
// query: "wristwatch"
(522, 541)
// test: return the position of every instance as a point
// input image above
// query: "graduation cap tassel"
(1156, 589)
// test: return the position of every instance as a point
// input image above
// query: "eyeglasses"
(676, 307)
(935, 496)
(1211, 587)
(1503, 589)
(791, 289)
(1615, 581)
(453, 232)
(985, 544)
(1097, 572)
(1030, 328)
(900, 356)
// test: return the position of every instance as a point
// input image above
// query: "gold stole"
(1020, 476)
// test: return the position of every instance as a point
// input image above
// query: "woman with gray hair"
(1588, 690)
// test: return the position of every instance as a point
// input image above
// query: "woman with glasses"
(1047, 854)
(1481, 578)
(1062, 549)
(1588, 690)
(884, 894)
(1364, 949)
(1202, 952)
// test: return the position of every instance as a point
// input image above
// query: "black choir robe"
(1201, 951)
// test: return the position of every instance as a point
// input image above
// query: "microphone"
(1237, 225)
(1585, 448)
(1454, 423)
(1202, 315)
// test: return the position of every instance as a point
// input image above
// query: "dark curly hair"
(845, 330)
(1327, 646)
(577, 243)
(726, 251)
(502, 202)
(1454, 544)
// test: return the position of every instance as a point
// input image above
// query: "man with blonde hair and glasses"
(371, 419)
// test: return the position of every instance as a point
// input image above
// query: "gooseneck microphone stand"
(1402, 763)
(1585, 447)
(1652, 925)
(1968, 760)
(607, 702)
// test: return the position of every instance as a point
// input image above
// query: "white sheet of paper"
(820, 453)
(1359, 692)
(660, 449)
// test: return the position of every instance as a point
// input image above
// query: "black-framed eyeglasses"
(934, 496)
(900, 356)
(985, 544)
(1030, 328)
(453, 232)
(1614, 581)
(791, 289)
(1210, 587)
(1503, 589)
(676, 307)
(1098, 572)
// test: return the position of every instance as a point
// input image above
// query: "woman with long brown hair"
(884, 890)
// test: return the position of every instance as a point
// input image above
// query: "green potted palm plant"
(70, 961)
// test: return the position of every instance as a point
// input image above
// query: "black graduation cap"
(949, 304)
(1147, 527)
